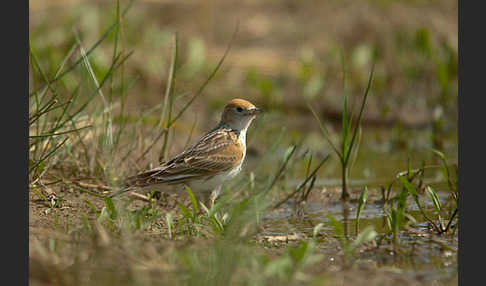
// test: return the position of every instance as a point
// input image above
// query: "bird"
(215, 158)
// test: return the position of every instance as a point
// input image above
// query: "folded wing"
(217, 152)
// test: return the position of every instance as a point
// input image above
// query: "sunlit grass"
(84, 139)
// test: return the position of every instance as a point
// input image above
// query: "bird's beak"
(255, 111)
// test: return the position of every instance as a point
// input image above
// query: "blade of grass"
(288, 154)
(95, 45)
(110, 206)
(169, 98)
(48, 155)
(109, 126)
(303, 183)
(42, 110)
(345, 127)
(118, 61)
(358, 121)
(411, 189)
(345, 122)
(435, 199)
(185, 212)
(199, 92)
(445, 169)
(193, 201)
(354, 153)
(437, 205)
(450, 220)
(93, 208)
(169, 221)
(59, 133)
(361, 204)
(325, 133)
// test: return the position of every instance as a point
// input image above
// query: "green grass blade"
(95, 45)
(338, 227)
(93, 208)
(59, 133)
(219, 204)
(199, 92)
(345, 128)
(169, 98)
(361, 204)
(288, 154)
(409, 186)
(368, 234)
(317, 229)
(355, 151)
(185, 212)
(47, 155)
(445, 169)
(193, 201)
(169, 221)
(301, 185)
(435, 199)
(358, 121)
(110, 206)
(325, 133)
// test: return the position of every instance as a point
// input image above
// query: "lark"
(214, 159)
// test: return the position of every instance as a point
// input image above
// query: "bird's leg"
(208, 198)
(214, 195)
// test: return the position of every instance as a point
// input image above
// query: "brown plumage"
(213, 159)
(218, 151)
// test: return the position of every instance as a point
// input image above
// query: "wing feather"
(216, 152)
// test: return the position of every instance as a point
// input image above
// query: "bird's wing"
(216, 152)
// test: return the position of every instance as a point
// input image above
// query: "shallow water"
(420, 249)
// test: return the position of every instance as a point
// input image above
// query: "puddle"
(420, 248)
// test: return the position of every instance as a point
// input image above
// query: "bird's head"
(239, 113)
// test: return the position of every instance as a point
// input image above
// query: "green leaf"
(219, 204)
(435, 199)
(217, 225)
(345, 128)
(445, 169)
(110, 207)
(409, 186)
(289, 152)
(361, 202)
(325, 133)
(185, 211)
(193, 201)
(41, 195)
(298, 254)
(317, 228)
(368, 234)
(168, 219)
(93, 208)
(205, 208)
(358, 121)
(338, 227)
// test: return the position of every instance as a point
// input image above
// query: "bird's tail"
(131, 183)
(140, 180)
(121, 191)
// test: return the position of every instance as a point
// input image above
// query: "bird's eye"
(239, 109)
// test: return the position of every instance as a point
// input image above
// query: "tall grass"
(80, 129)
(348, 135)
